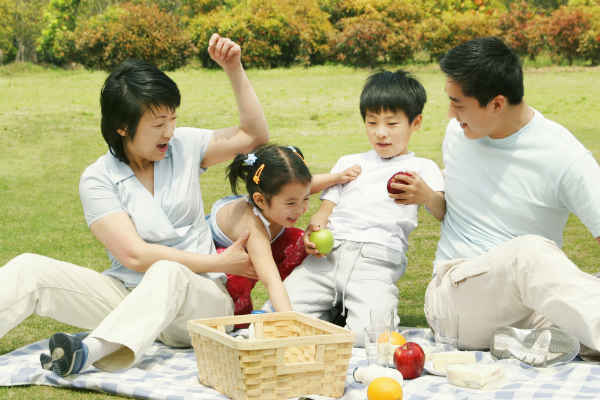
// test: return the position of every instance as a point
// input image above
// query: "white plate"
(429, 368)
(433, 371)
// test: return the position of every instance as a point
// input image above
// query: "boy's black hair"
(485, 68)
(393, 91)
(131, 89)
(268, 169)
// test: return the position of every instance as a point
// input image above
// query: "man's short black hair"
(485, 68)
(131, 89)
(394, 91)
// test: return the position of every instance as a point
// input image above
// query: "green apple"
(323, 239)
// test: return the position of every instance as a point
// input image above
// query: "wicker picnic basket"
(290, 355)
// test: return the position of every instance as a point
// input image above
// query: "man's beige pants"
(158, 308)
(527, 282)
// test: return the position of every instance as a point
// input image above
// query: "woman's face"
(152, 136)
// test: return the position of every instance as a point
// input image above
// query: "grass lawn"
(49, 130)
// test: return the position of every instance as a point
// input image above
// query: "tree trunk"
(20, 52)
(25, 51)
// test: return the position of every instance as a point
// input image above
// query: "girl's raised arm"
(323, 181)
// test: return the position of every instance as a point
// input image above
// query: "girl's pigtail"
(238, 169)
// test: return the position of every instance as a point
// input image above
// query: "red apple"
(392, 190)
(409, 360)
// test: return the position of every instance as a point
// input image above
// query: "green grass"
(49, 132)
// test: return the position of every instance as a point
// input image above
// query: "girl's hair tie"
(250, 159)
(293, 149)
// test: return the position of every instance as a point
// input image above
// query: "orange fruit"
(397, 338)
(384, 388)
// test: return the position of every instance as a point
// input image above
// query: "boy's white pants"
(158, 308)
(527, 282)
(360, 276)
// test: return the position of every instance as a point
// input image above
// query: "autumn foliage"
(278, 33)
(131, 31)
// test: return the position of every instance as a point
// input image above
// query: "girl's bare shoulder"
(234, 217)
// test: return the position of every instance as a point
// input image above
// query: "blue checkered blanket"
(170, 374)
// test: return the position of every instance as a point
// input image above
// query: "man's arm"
(579, 192)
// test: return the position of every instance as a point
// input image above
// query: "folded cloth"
(540, 347)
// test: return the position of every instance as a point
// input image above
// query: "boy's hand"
(416, 191)
(224, 51)
(309, 246)
(349, 174)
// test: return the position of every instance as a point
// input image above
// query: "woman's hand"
(237, 260)
(224, 52)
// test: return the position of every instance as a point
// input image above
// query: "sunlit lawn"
(49, 132)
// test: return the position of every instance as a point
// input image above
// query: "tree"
(60, 18)
(23, 19)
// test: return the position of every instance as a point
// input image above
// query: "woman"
(142, 201)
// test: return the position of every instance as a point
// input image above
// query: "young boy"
(369, 225)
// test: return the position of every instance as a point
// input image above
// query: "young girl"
(278, 183)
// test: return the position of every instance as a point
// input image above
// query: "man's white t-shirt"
(526, 183)
(364, 212)
(173, 216)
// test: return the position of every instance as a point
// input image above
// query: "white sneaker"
(541, 347)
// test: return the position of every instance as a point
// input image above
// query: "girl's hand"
(224, 51)
(237, 260)
(349, 174)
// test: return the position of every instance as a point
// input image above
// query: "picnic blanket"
(170, 374)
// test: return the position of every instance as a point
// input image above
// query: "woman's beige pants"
(158, 308)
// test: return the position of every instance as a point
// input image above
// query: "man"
(512, 178)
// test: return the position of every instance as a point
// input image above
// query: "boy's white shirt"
(364, 212)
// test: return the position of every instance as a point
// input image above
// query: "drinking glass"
(382, 322)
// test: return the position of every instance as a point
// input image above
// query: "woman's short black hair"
(394, 91)
(485, 68)
(130, 90)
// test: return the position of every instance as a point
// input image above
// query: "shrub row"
(277, 33)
